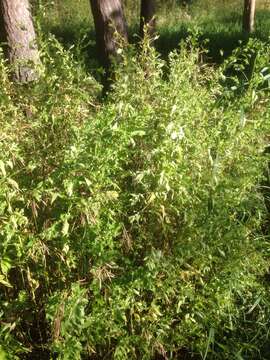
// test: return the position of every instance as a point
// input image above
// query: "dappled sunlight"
(134, 199)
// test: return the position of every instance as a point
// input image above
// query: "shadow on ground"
(219, 38)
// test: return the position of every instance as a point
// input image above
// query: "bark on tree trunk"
(147, 17)
(249, 15)
(19, 34)
(109, 18)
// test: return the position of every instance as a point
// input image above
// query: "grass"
(219, 22)
(135, 226)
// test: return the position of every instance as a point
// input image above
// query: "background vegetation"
(218, 21)
(135, 225)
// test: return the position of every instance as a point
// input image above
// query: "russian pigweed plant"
(134, 228)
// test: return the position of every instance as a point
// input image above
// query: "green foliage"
(218, 21)
(133, 228)
(39, 122)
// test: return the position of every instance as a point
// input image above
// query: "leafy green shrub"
(133, 229)
(39, 122)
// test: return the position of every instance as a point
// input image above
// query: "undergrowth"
(133, 228)
(219, 21)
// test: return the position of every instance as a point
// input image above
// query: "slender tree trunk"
(249, 15)
(147, 17)
(19, 35)
(109, 19)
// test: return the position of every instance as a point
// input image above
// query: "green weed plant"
(135, 228)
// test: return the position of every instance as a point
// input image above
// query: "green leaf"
(13, 183)
(2, 168)
(65, 227)
(4, 282)
(2, 354)
(5, 265)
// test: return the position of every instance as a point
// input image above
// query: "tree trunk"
(249, 15)
(19, 34)
(109, 19)
(147, 17)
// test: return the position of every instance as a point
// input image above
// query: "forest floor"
(220, 22)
